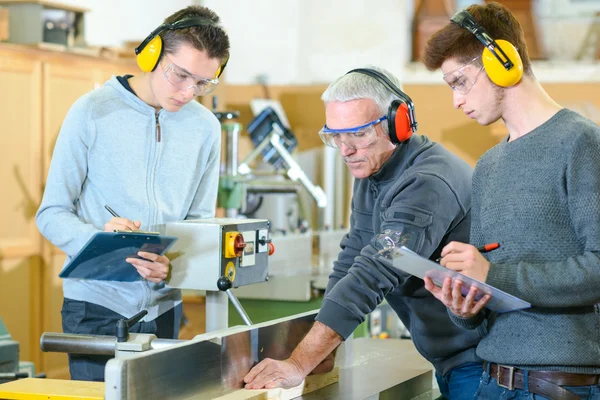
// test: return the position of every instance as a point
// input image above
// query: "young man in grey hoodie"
(142, 145)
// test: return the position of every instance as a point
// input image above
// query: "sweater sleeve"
(572, 281)
(476, 239)
(56, 218)
(423, 211)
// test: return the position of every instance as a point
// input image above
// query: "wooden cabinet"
(20, 167)
(37, 88)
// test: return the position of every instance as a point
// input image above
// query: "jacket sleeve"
(56, 218)
(351, 245)
(424, 209)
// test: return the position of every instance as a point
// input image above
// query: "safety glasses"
(359, 137)
(183, 80)
(459, 79)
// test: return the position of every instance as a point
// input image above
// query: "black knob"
(123, 325)
(224, 284)
(263, 240)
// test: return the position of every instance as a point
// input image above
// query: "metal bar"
(90, 344)
(296, 173)
(244, 166)
(238, 306)
(78, 344)
(217, 311)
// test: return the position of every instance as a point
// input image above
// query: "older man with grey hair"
(407, 188)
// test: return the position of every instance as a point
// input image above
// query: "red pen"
(482, 249)
(488, 247)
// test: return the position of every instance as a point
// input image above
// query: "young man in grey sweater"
(537, 193)
(143, 146)
(416, 193)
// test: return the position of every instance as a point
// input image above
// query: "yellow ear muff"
(150, 54)
(496, 71)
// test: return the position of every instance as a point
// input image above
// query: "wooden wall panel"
(20, 135)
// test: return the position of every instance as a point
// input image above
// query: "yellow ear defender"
(501, 60)
(148, 53)
(147, 58)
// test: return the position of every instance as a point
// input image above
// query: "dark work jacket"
(423, 191)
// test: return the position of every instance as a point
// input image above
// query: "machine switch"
(234, 245)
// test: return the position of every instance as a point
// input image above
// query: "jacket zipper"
(157, 128)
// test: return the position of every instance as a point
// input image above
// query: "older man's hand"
(271, 374)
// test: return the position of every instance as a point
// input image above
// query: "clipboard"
(103, 256)
(406, 260)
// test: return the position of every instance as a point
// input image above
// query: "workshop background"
(284, 54)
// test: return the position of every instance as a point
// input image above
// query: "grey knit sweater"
(539, 196)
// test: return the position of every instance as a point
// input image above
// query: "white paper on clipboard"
(410, 262)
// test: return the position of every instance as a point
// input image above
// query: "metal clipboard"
(405, 260)
(103, 256)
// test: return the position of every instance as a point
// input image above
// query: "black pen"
(482, 249)
(111, 211)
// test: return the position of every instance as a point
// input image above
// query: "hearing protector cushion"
(148, 58)
(496, 71)
(399, 122)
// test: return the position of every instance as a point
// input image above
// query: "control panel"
(208, 249)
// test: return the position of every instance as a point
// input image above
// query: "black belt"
(546, 383)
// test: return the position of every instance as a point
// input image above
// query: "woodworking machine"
(216, 255)
(212, 365)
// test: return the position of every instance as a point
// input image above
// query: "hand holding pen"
(117, 223)
(152, 267)
(467, 259)
(482, 249)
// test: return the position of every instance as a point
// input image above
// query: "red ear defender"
(402, 122)
(399, 122)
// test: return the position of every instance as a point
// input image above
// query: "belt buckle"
(511, 379)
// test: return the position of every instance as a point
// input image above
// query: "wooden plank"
(51, 389)
(310, 384)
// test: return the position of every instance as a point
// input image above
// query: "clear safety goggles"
(183, 80)
(359, 137)
(459, 81)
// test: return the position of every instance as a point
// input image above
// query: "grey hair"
(356, 86)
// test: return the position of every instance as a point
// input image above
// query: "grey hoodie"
(107, 152)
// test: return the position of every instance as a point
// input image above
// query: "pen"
(488, 247)
(482, 249)
(114, 214)
(111, 211)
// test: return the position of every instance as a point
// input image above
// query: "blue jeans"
(85, 318)
(461, 382)
(489, 389)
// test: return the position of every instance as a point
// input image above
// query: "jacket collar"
(399, 158)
